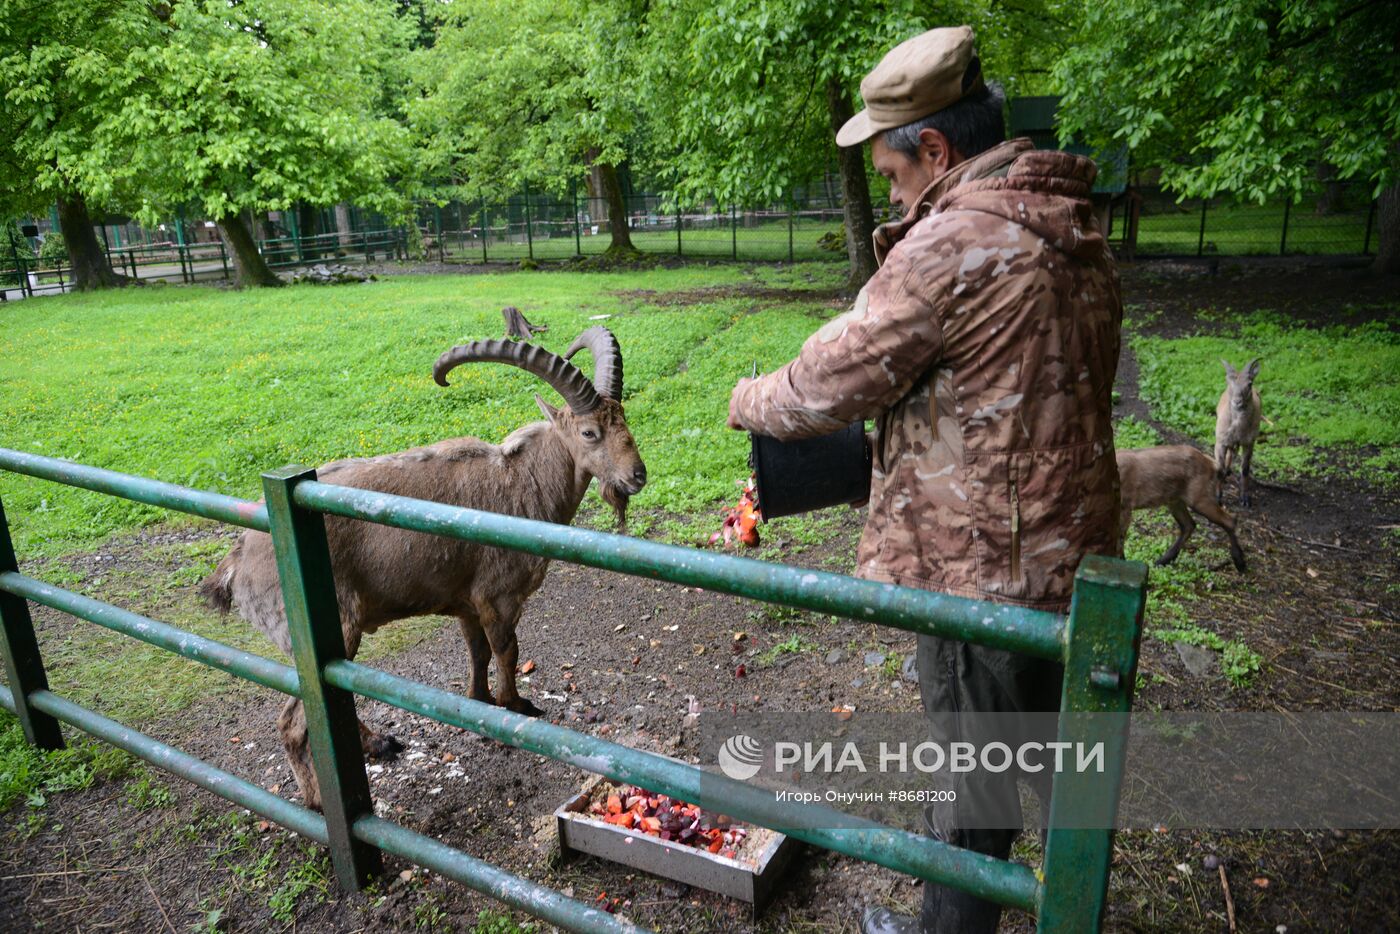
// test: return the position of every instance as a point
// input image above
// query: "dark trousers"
(958, 678)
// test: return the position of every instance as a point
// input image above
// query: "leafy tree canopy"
(1245, 96)
(57, 57)
(741, 86)
(527, 92)
(255, 104)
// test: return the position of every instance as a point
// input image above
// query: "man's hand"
(733, 405)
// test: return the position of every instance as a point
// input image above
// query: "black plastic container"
(791, 477)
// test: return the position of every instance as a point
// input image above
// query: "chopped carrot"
(715, 844)
(614, 804)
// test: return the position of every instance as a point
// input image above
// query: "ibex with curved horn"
(382, 574)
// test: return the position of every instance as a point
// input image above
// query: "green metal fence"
(1097, 642)
(204, 260)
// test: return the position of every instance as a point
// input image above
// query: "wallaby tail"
(217, 588)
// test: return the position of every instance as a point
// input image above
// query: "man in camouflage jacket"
(984, 349)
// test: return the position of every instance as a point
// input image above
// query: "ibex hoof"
(521, 705)
(383, 747)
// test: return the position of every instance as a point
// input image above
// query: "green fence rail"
(1098, 643)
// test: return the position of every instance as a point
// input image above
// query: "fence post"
(1283, 240)
(24, 666)
(1201, 240)
(437, 223)
(680, 219)
(1370, 221)
(23, 276)
(313, 623)
(485, 229)
(529, 234)
(573, 200)
(792, 203)
(1101, 638)
(223, 256)
(180, 242)
(734, 230)
(295, 228)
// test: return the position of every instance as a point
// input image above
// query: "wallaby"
(1237, 417)
(1181, 478)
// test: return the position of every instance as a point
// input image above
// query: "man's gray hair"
(972, 125)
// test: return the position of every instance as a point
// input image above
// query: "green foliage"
(58, 59)
(53, 251)
(144, 794)
(1304, 81)
(428, 914)
(741, 87)
(1171, 593)
(1130, 432)
(309, 874)
(792, 645)
(16, 244)
(1238, 662)
(254, 106)
(494, 922)
(526, 93)
(31, 774)
(1328, 391)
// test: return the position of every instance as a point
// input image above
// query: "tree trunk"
(342, 224)
(855, 191)
(309, 226)
(1329, 198)
(1388, 232)
(617, 210)
(90, 267)
(249, 267)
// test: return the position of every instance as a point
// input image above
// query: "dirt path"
(119, 856)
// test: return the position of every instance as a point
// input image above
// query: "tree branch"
(1314, 34)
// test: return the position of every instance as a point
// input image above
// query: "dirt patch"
(831, 297)
(1317, 605)
(1314, 291)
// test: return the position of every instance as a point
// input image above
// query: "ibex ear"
(1229, 370)
(550, 412)
(1253, 369)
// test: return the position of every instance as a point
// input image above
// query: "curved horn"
(607, 360)
(566, 378)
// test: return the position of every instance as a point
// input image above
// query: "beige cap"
(918, 77)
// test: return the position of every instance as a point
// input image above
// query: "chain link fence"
(1339, 220)
(540, 227)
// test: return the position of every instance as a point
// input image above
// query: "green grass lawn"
(767, 240)
(1249, 229)
(210, 388)
(1332, 394)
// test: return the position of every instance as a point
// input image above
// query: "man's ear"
(935, 148)
(550, 412)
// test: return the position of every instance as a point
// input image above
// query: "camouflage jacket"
(985, 349)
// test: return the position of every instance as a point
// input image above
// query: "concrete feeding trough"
(751, 875)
